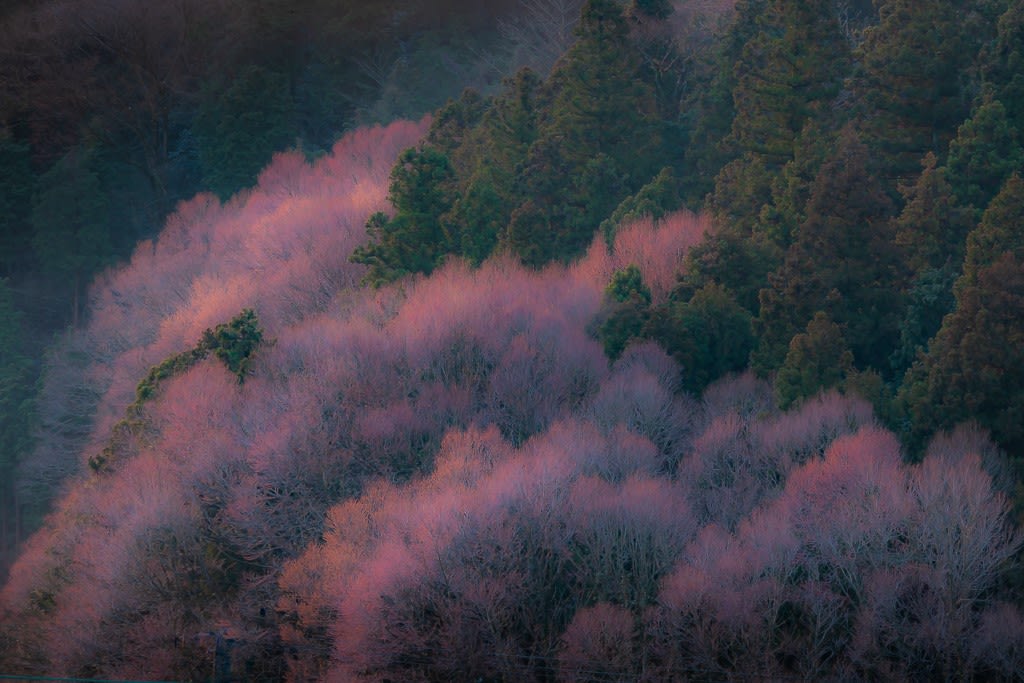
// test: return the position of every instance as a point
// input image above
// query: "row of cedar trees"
(861, 166)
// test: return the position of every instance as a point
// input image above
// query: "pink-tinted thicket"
(527, 564)
(446, 480)
(656, 247)
(282, 247)
(857, 570)
(218, 483)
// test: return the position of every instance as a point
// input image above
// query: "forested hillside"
(113, 111)
(680, 340)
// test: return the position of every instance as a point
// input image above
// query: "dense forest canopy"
(535, 340)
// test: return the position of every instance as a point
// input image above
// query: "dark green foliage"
(710, 106)
(818, 359)
(233, 343)
(70, 225)
(653, 200)
(597, 188)
(985, 152)
(16, 185)
(166, 369)
(710, 335)
(929, 299)
(477, 218)
(658, 9)
(413, 240)
(505, 132)
(743, 188)
(628, 285)
(453, 124)
(974, 368)
(740, 265)
(791, 188)
(533, 170)
(784, 76)
(599, 103)
(239, 127)
(789, 70)
(842, 262)
(17, 380)
(530, 235)
(599, 137)
(626, 311)
(910, 82)
(931, 228)
(623, 322)
(872, 387)
(1003, 61)
(999, 230)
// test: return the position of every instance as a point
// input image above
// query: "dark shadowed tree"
(626, 311)
(709, 334)
(16, 186)
(789, 71)
(986, 150)
(413, 240)
(818, 359)
(70, 224)
(655, 199)
(974, 367)
(239, 127)
(842, 262)
(998, 232)
(909, 82)
(933, 224)
(1003, 61)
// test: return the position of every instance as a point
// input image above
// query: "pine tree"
(739, 264)
(453, 126)
(487, 142)
(1003, 64)
(791, 188)
(786, 73)
(929, 298)
(974, 367)
(510, 125)
(842, 262)
(711, 108)
(413, 240)
(653, 200)
(908, 85)
(932, 227)
(986, 150)
(600, 105)
(598, 142)
(478, 216)
(626, 311)
(999, 231)
(818, 359)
